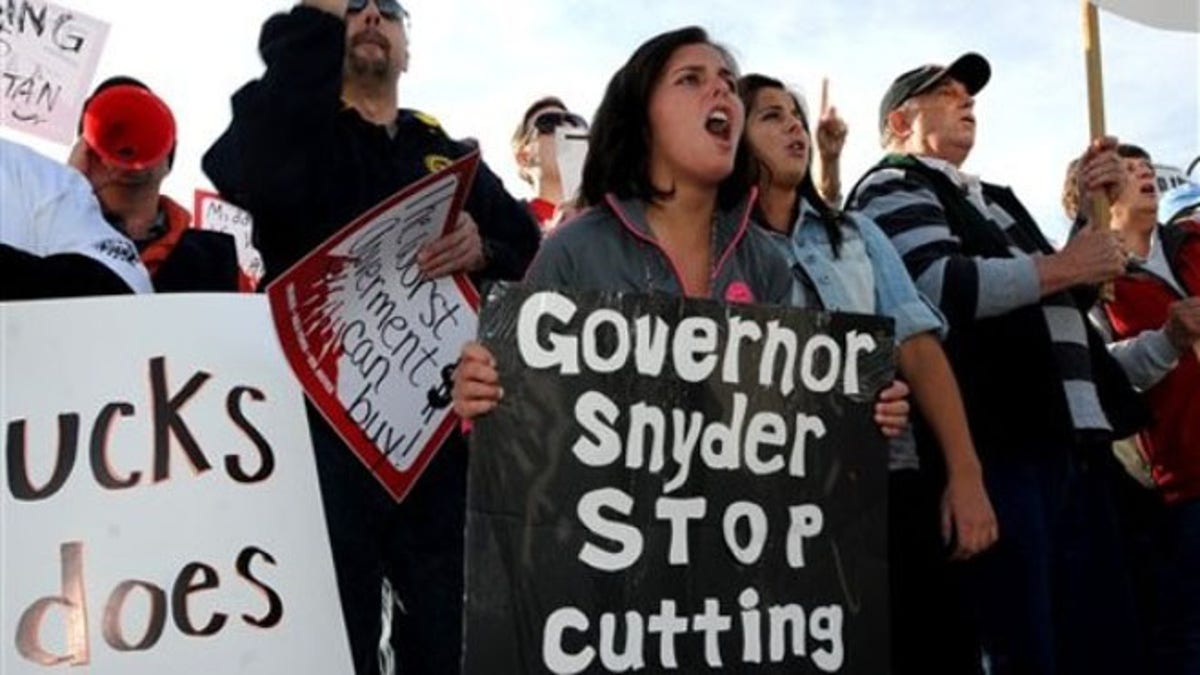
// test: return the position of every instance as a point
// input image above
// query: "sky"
(476, 66)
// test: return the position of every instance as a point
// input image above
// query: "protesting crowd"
(1042, 428)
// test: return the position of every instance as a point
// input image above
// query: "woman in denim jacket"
(843, 262)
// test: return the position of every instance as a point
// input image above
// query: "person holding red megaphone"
(126, 148)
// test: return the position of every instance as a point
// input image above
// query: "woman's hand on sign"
(459, 250)
(968, 520)
(891, 411)
(476, 382)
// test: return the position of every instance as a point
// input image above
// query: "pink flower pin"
(738, 291)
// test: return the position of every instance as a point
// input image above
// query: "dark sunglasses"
(388, 9)
(547, 122)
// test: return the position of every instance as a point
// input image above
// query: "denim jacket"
(867, 266)
(867, 277)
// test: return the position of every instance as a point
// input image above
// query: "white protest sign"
(161, 511)
(48, 55)
(213, 213)
(571, 145)
(373, 341)
(1176, 15)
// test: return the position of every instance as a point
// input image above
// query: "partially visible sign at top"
(48, 55)
(1177, 15)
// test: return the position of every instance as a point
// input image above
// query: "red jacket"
(1172, 441)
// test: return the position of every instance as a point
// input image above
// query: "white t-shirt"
(48, 208)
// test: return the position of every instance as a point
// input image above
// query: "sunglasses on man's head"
(389, 9)
(547, 122)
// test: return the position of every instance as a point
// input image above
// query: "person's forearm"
(829, 179)
(1054, 274)
(283, 137)
(511, 237)
(935, 390)
(1145, 358)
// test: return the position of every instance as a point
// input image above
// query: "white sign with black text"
(161, 511)
(48, 55)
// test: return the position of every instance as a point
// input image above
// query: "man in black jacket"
(313, 144)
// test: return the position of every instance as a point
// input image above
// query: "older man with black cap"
(1043, 397)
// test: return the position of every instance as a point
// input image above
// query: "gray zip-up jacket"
(611, 248)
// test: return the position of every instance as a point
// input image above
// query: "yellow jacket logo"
(436, 163)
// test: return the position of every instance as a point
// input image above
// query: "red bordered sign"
(210, 212)
(372, 341)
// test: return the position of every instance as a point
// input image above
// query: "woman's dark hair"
(831, 218)
(618, 158)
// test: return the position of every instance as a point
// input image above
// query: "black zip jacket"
(304, 164)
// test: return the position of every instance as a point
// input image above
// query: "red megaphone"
(129, 127)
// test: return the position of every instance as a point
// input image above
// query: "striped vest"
(1039, 375)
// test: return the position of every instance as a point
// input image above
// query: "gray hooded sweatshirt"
(611, 248)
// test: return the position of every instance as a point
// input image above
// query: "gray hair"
(887, 138)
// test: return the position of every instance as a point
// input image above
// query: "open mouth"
(1148, 189)
(717, 123)
(797, 148)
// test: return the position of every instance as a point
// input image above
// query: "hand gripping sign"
(372, 340)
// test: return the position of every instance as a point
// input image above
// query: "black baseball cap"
(971, 69)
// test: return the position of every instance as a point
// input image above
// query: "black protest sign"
(677, 485)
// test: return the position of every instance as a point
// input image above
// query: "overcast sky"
(477, 65)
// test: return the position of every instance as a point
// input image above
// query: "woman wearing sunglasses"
(669, 203)
(843, 262)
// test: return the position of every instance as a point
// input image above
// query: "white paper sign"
(161, 512)
(48, 55)
(214, 213)
(373, 341)
(1177, 15)
(572, 146)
